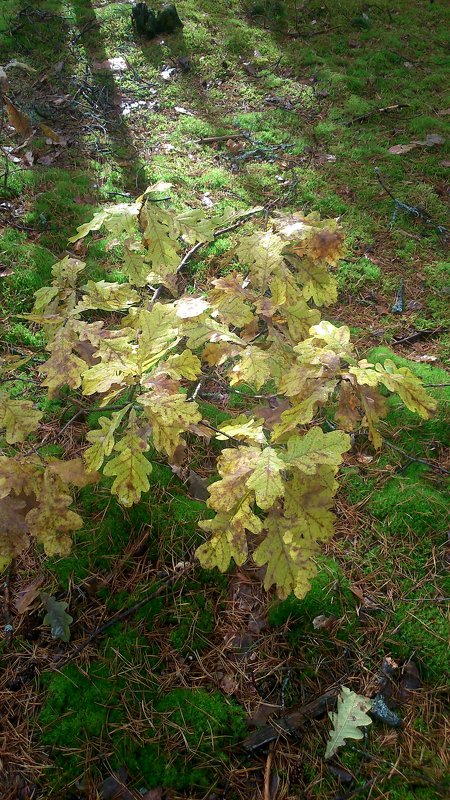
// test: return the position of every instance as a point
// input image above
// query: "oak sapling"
(145, 354)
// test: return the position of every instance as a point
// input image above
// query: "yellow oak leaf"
(266, 479)
(170, 415)
(66, 271)
(229, 539)
(20, 475)
(299, 319)
(408, 387)
(365, 373)
(107, 297)
(18, 417)
(301, 413)
(225, 543)
(315, 448)
(135, 267)
(183, 365)
(102, 439)
(203, 329)
(93, 225)
(253, 367)
(234, 465)
(318, 283)
(163, 249)
(118, 366)
(63, 368)
(262, 253)
(129, 468)
(52, 522)
(289, 567)
(243, 428)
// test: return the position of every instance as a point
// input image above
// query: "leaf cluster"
(146, 349)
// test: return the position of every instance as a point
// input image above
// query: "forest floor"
(309, 103)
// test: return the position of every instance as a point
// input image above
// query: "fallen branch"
(224, 138)
(413, 337)
(291, 722)
(374, 111)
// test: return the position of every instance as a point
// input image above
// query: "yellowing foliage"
(258, 328)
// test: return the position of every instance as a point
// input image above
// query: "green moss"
(329, 595)
(208, 721)
(353, 275)
(408, 503)
(421, 631)
(193, 620)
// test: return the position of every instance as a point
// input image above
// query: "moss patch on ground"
(308, 108)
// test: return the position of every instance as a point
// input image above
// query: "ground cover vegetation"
(179, 422)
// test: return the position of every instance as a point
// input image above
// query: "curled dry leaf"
(19, 121)
(28, 595)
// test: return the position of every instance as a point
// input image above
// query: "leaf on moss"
(350, 717)
(57, 617)
(74, 471)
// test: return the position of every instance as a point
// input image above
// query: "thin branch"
(429, 464)
(190, 253)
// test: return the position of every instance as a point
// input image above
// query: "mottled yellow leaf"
(103, 439)
(408, 387)
(130, 468)
(253, 367)
(170, 415)
(266, 480)
(18, 417)
(52, 522)
(243, 428)
(315, 448)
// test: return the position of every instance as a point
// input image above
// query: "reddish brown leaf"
(28, 595)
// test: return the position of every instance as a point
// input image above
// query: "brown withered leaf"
(271, 414)
(19, 121)
(347, 414)
(13, 529)
(28, 595)
(322, 622)
(114, 788)
(153, 794)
